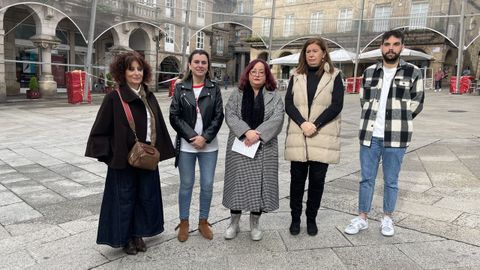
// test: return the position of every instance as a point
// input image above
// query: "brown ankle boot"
(182, 230)
(204, 229)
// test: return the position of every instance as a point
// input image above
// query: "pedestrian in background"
(254, 114)
(313, 102)
(391, 96)
(226, 80)
(438, 76)
(132, 200)
(196, 114)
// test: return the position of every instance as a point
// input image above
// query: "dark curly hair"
(270, 84)
(123, 61)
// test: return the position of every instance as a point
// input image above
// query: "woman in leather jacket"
(196, 113)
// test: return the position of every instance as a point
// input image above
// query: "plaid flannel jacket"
(405, 101)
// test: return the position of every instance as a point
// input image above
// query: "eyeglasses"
(259, 73)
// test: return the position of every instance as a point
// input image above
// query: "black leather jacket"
(183, 113)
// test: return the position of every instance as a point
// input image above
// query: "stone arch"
(263, 56)
(449, 63)
(169, 68)
(139, 40)
(20, 23)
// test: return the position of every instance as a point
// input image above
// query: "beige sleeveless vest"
(324, 146)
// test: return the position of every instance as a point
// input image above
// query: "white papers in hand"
(240, 147)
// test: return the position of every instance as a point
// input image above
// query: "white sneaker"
(435, 90)
(356, 225)
(439, 90)
(387, 226)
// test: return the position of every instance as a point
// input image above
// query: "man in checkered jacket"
(391, 96)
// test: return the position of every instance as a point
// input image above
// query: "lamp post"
(460, 46)
(357, 51)
(91, 32)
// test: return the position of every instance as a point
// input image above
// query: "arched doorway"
(20, 24)
(169, 68)
(72, 50)
(450, 62)
(139, 41)
(263, 56)
(285, 70)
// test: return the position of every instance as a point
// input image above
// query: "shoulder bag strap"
(128, 113)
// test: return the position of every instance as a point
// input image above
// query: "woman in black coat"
(132, 201)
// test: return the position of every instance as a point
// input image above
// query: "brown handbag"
(142, 155)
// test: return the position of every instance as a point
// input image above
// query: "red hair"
(270, 84)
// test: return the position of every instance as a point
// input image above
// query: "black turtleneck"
(312, 83)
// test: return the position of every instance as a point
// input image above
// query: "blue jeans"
(392, 158)
(186, 167)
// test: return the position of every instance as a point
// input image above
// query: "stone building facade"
(426, 24)
(54, 33)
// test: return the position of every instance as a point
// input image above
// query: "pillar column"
(48, 86)
(3, 85)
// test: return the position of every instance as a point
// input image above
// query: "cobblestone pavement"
(50, 197)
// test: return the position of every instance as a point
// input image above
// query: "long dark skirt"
(131, 206)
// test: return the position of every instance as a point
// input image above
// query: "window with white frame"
(146, 2)
(184, 10)
(266, 27)
(344, 23)
(220, 45)
(382, 18)
(200, 40)
(418, 14)
(114, 3)
(316, 22)
(289, 2)
(170, 37)
(170, 8)
(268, 3)
(288, 25)
(200, 13)
(240, 7)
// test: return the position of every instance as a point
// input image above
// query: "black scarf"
(251, 114)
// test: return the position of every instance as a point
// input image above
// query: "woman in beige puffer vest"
(313, 102)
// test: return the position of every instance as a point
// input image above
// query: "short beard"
(390, 60)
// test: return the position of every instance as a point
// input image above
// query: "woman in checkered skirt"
(254, 113)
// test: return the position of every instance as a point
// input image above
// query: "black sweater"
(312, 82)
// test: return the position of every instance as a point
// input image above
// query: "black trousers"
(316, 172)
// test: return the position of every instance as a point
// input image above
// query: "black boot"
(295, 226)
(312, 229)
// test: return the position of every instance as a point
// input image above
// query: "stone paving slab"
(375, 257)
(439, 185)
(7, 198)
(42, 198)
(468, 220)
(444, 229)
(81, 259)
(442, 254)
(17, 260)
(23, 187)
(30, 240)
(310, 259)
(17, 212)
